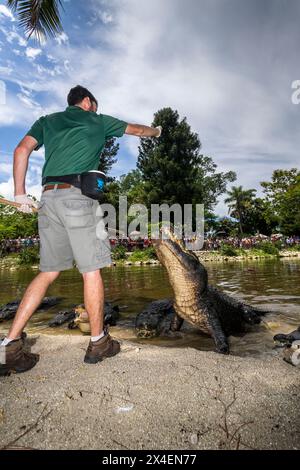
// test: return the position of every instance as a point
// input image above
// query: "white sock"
(6, 341)
(96, 338)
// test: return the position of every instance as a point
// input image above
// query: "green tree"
(282, 195)
(14, 224)
(108, 156)
(258, 217)
(239, 203)
(227, 226)
(174, 170)
(210, 222)
(39, 17)
(132, 185)
(290, 210)
(281, 181)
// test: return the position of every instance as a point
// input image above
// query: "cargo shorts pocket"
(43, 220)
(102, 248)
(79, 214)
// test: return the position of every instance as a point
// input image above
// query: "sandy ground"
(149, 397)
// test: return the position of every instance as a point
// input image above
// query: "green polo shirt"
(74, 139)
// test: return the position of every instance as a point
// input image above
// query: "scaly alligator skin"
(287, 340)
(212, 311)
(155, 318)
(9, 310)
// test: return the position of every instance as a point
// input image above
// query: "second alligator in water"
(9, 310)
(75, 316)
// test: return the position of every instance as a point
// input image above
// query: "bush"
(228, 250)
(269, 248)
(143, 255)
(119, 252)
(29, 256)
(278, 244)
(293, 248)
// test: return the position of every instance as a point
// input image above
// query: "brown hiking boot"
(13, 358)
(99, 350)
(23, 337)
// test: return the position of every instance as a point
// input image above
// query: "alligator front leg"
(176, 322)
(216, 331)
(221, 341)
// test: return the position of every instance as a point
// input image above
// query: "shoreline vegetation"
(146, 257)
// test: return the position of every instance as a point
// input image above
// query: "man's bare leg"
(32, 298)
(94, 300)
(101, 344)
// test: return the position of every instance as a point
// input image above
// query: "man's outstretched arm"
(143, 131)
(21, 157)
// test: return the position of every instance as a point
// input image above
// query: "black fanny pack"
(91, 183)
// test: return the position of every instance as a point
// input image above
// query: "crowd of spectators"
(14, 245)
(215, 243)
(131, 244)
(210, 243)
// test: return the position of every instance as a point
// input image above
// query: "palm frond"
(39, 17)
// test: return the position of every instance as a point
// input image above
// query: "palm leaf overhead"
(39, 17)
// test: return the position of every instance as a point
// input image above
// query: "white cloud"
(4, 11)
(67, 65)
(28, 102)
(6, 168)
(7, 189)
(38, 154)
(5, 70)
(16, 113)
(105, 17)
(32, 52)
(51, 58)
(62, 38)
(26, 91)
(12, 36)
(53, 72)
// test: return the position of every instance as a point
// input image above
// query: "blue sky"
(227, 65)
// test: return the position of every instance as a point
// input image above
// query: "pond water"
(272, 284)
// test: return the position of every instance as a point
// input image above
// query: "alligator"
(204, 306)
(155, 319)
(111, 315)
(9, 310)
(63, 316)
(287, 340)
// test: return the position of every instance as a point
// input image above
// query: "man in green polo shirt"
(73, 141)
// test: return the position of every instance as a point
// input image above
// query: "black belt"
(74, 180)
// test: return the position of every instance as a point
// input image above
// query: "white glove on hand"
(26, 203)
(160, 129)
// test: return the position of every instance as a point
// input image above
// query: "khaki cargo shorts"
(67, 227)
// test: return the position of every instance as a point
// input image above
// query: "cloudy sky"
(227, 65)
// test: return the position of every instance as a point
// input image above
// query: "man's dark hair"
(78, 93)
